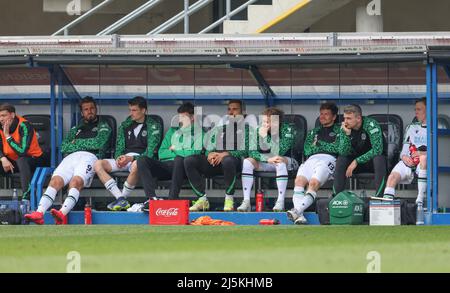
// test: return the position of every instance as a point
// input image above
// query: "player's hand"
(351, 168)
(219, 158)
(277, 159)
(172, 148)
(212, 156)
(7, 165)
(6, 126)
(271, 160)
(345, 129)
(415, 154)
(408, 161)
(125, 161)
(119, 160)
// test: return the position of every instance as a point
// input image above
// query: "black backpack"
(10, 216)
(323, 211)
(12, 212)
(408, 212)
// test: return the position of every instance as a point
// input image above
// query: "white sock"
(127, 189)
(389, 191)
(282, 180)
(71, 200)
(305, 202)
(311, 193)
(247, 178)
(111, 186)
(227, 196)
(297, 198)
(422, 185)
(47, 199)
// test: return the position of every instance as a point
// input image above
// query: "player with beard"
(84, 145)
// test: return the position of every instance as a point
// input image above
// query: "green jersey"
(323, 140)
(144, 143)
(186, 141)
(91, 137)
(365, 143)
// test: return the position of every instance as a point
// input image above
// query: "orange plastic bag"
(208, 221)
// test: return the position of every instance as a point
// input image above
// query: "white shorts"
(79, 164)
(270, 167)
(406, 173)
(320, 167)
(126, 168)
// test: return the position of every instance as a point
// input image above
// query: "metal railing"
(187, 11)
(228, 15)
(66, 28)
(182, 15)
(129, 17)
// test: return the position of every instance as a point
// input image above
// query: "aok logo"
(340, 202)
(358, 208)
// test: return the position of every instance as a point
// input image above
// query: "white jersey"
(415, 134)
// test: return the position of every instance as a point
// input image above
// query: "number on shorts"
(331, 166)
(88, 169)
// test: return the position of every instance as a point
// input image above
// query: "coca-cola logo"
(167, 212)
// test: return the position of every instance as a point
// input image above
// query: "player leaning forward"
(412, 162)
(361, 149)
(321, 148)
(84, 144)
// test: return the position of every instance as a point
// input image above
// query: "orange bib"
(33, 151)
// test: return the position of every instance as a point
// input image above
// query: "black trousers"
(377, 165)
(198, 165)
(26, 166)
(150, 170)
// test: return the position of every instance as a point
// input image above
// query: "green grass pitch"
(140, 248)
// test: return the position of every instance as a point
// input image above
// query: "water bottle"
(269, 222)
(362, 195)
(14, 196)
(412, 150)
(25, 206)
(87, 214)
(259, 201)
(420, 214)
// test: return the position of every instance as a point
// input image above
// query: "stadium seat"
(159, 120)
(392, 127)
(112, 140)
(443, 121)
(41, 124)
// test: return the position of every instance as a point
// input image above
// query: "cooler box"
(383, 212)
(346, 208)
(169, 212)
